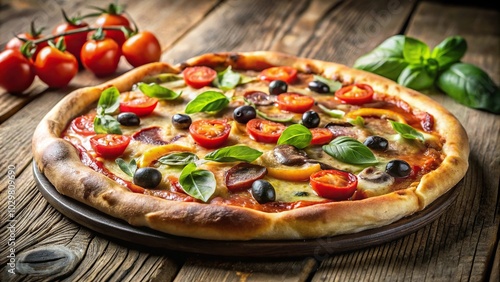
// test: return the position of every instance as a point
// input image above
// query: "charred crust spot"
(55, 152)
(91, 186)
(234, 57)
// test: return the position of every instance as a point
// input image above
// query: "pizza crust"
(58, 160)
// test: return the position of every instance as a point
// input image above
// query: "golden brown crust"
(60, 163)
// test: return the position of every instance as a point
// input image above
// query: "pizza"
(256, 145)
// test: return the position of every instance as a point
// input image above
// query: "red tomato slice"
(109, 145)
(84, 124)
(137, 103)
(285, 73)
(210, 134)
(321, 136)
(355, 94)
(334, 184)
(264, 130)
(200, 76)
(294, 102)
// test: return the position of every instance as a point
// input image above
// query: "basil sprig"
(208, 101)
(332, 84)
(406, 131)
(154, 90)
(107, 105)
(350, 150)
(197, 183)
(178, 159)
(129, 168)
(413, 64)
(234, 154)
(227, 79)
(296, 135)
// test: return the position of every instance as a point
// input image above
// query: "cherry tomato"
(16, 71)
(355, 94)
(54, 67)
(16, 43)
(137, 103)
(141, 49)
(113, 19)
(109, 145)
(84, 124)
(210, 134)
(199, 76)
(294, 102)
(321, 136)
(101, 56)
(74, 42)
(264, 130)
(285, 73)
(334, 184)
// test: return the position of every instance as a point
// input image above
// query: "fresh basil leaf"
(209, 101)
(351, 151)
(359, 121)
(128, 168)
(154, 90)
(227, 79)
(450, 51)
(470, 86)
(332, 84)
(407, 131)
(415, 51)
(417, 77)
(108, 101)
(197, 183)
(178, 159)
(106, 124)
(234, 154)
(276, 118)
(296, 135)
(333, 113)
(386, 60)
(162, 78)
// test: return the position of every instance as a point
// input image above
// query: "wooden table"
(461, 245)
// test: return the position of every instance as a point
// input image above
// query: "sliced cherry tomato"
(355, 94)
(114, 16)
(74, 42)
(321, 136)
(109, 145)
(137, 103)
(141, 49)
(55, 67)
(334, 184)
(199, 76)
(101, 56)
(210, 134)
(264, 130)
(294, 102)
(16, 71)
(84, 124)
(285, 73)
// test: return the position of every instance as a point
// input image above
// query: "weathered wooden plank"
(460, 245)
(197, 269)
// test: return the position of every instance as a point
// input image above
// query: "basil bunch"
(411, 63)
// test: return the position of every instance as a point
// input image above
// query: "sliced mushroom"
(341, 129)
(289, 155)
(374, 182)
(241, 176)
